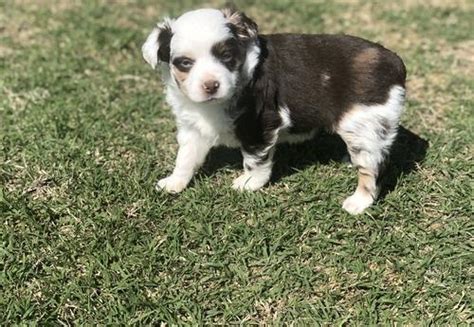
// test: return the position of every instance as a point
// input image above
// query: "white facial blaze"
(208, 68)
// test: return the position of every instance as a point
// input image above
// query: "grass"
(85, 133)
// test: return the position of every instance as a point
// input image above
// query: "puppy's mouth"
(219, 98)
(215, 99)
(212, 99)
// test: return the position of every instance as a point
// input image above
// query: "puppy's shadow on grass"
(407, 152)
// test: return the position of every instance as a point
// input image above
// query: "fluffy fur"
(229, 85)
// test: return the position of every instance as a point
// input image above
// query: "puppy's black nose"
(211, 86)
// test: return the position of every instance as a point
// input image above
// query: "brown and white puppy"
(228, 85)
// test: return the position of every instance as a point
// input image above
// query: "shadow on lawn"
(408, 150)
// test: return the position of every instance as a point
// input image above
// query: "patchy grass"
(85, 133)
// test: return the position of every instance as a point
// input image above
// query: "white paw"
(247, 182)
(171, 184)
(357, 203)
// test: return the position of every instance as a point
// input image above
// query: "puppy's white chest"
(211, 121)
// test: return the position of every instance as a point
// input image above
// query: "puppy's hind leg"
(366, 192)
(369, 132)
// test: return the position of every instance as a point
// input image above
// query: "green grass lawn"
(85, 133)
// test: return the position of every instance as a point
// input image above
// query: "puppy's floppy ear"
(157, 46)
(240, 24)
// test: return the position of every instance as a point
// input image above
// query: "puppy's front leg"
(193, 148)
(257, 169)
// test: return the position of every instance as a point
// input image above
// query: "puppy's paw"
(171, 184)
(247, 182)
(357, 203)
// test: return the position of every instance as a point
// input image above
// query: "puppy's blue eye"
(183, 63)
(186, 63)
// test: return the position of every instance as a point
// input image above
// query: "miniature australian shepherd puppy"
(228, 85)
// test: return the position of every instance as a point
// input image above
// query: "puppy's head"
(208, 52)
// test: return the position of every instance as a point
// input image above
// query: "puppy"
(228, 85)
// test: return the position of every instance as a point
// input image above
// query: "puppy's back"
(322, 76)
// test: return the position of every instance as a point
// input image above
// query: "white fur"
(360, 128)
(193, 148)
(257, 177)
(357, 203)
(259, 173)
(285, 117)
(253, 54)
(360, 125)
(150, 48)
(286, 137)
(201, 126)
(197, 31)
(209, 120)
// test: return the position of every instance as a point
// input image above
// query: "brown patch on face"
(179, 76)
(229, 53)
(180, 68)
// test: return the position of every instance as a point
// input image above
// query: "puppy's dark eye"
(227, 56)
(184, 64)
(229, 52)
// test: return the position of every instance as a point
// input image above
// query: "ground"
(85, 133)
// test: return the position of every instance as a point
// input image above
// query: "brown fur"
(240, 24)
(364, 66)
(367, 58)
(179, 75)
